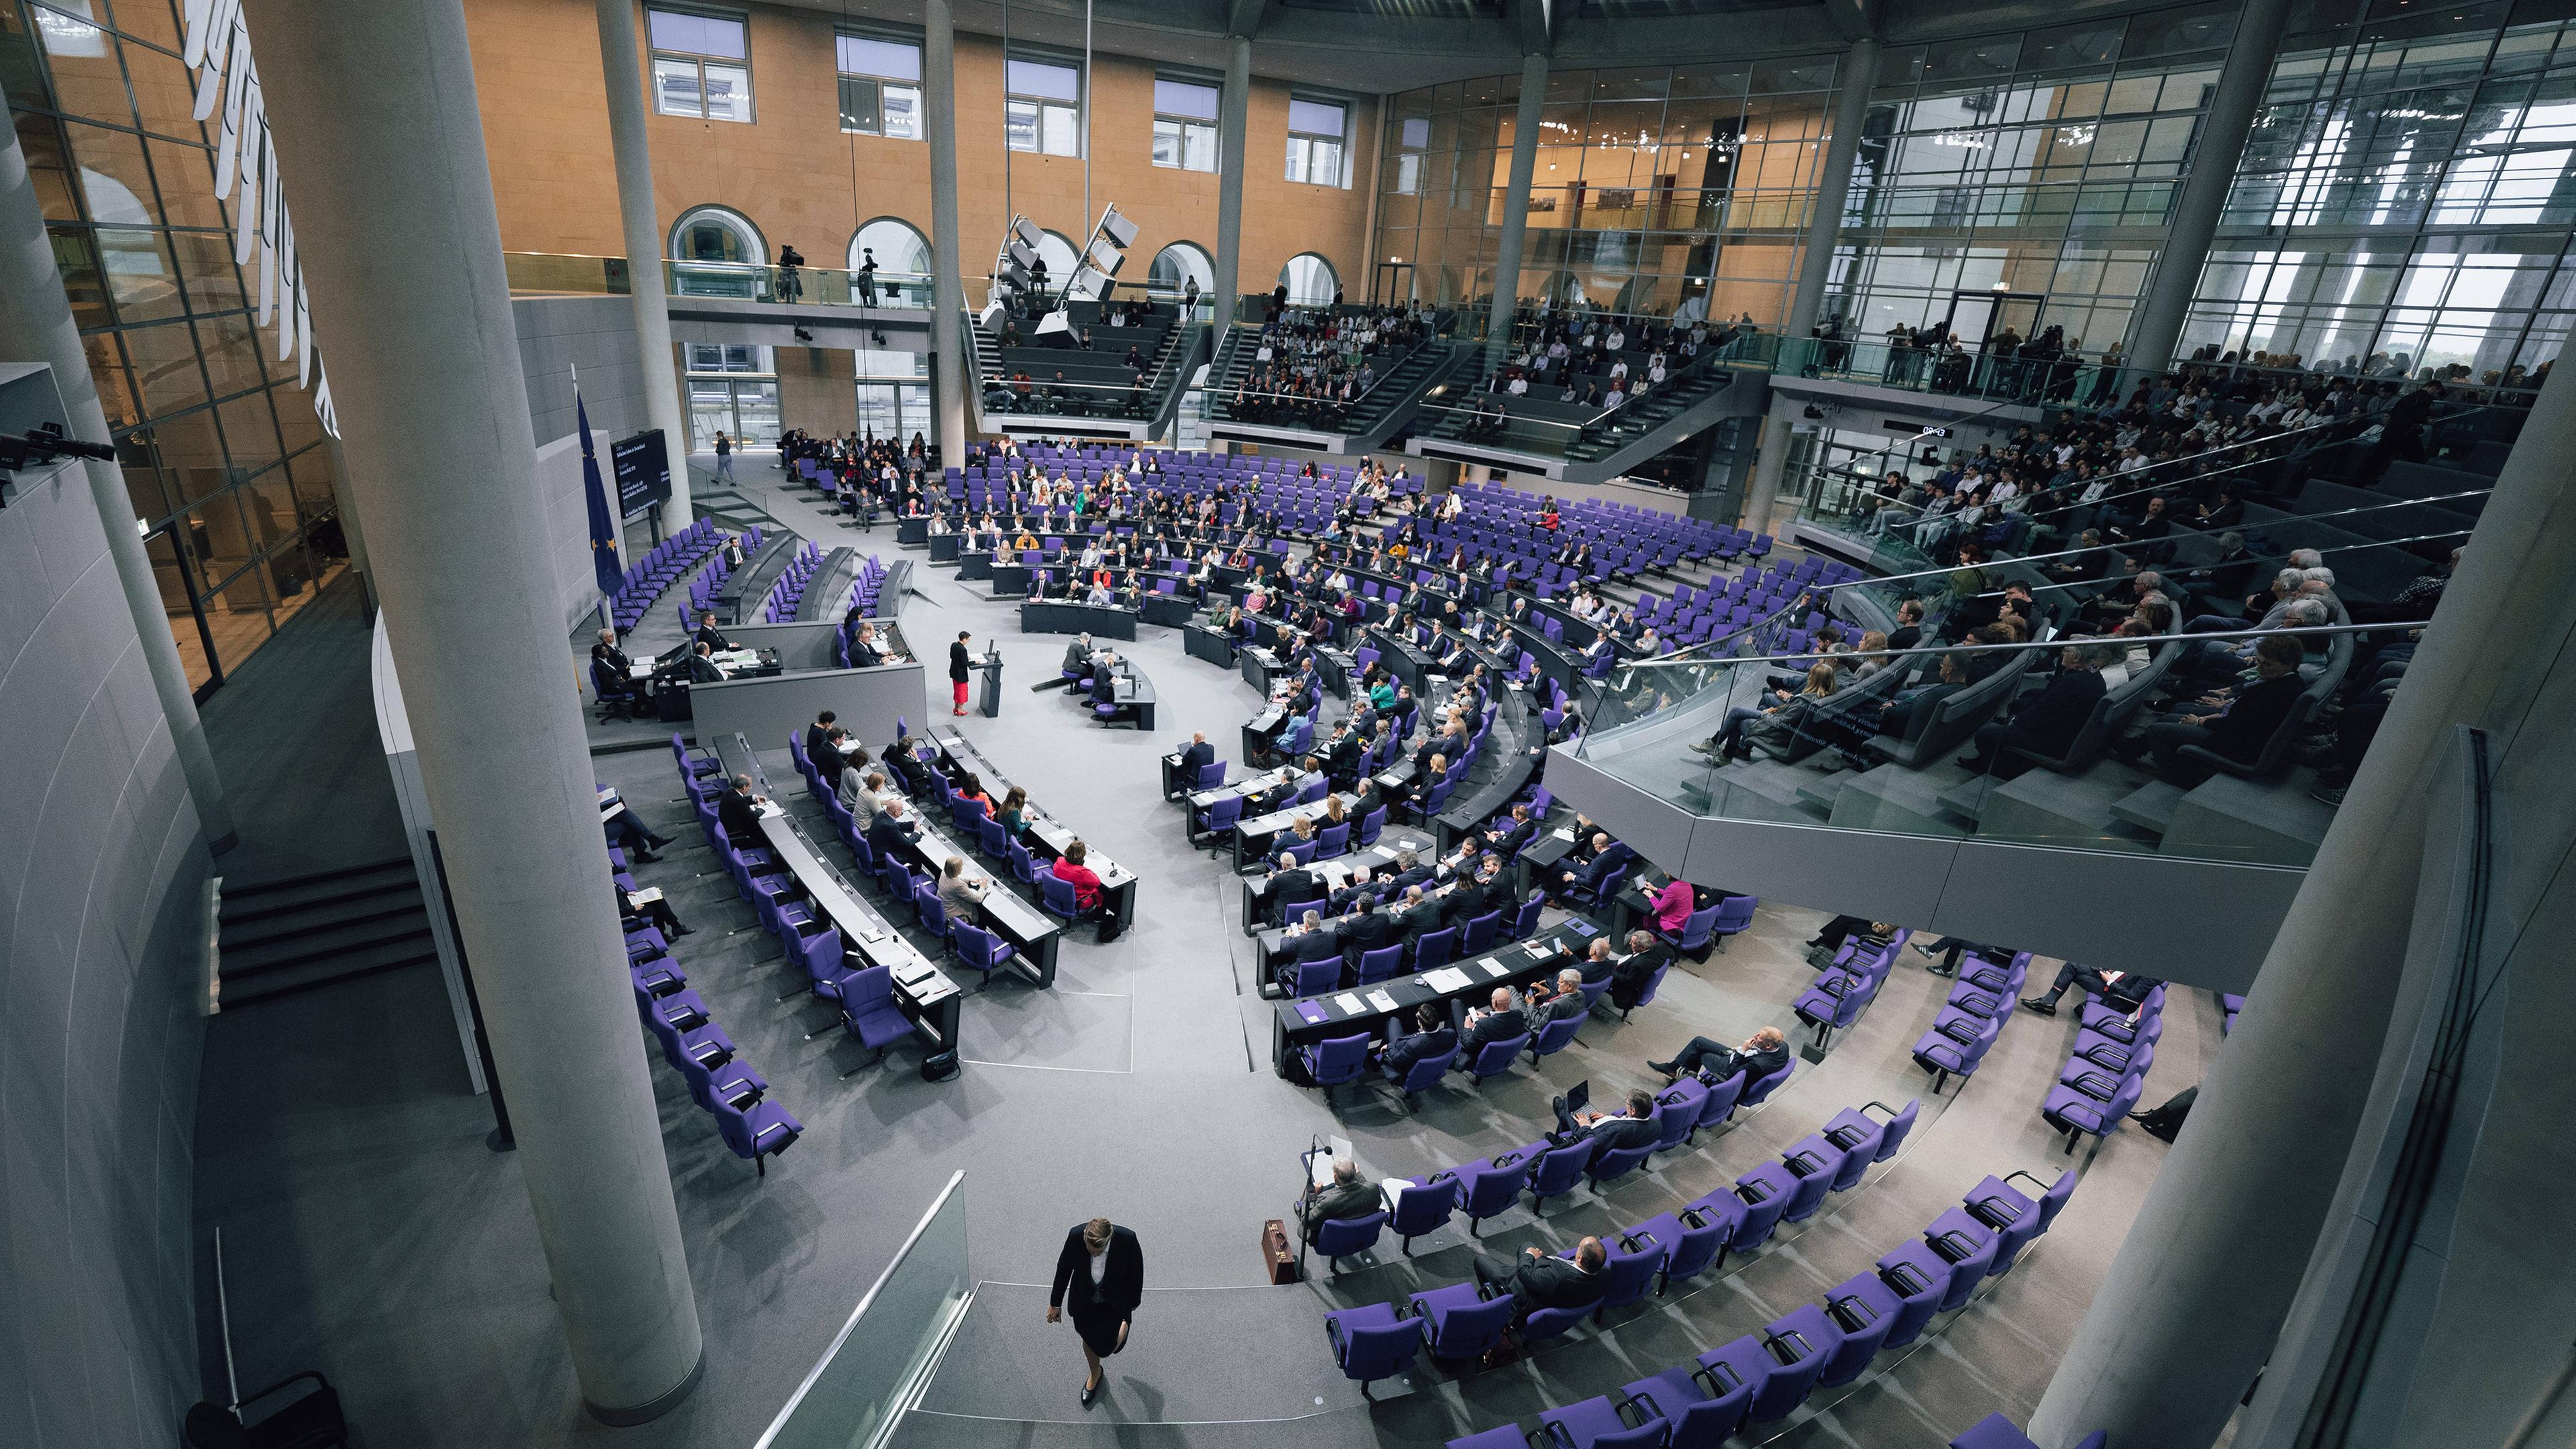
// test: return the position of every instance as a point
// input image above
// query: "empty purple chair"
(1968, 1246)
(761, 1133)
(1817, 1163)
(1920, 1279)
(1486, 1188)
(1800, 1342)
(1863, 1309)
(1595, 1423)
(1556, 1171)
(1463, 1323)
(1766, 1191)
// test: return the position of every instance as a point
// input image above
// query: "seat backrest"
(1761, 1088)
(1471, 1331)
(1427, 1072)
(1313, 978)
(1058, 891)
(1425, 1205)
(1433, 948)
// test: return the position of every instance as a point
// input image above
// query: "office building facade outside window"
(1043, 111)
(701, 64)
(2405, 201)
(1185, 121)
(1666, 190)
(880, 86)
(1318, 141)
(225, 463)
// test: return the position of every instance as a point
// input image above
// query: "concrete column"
(1507, 247)
(2204, 190)
(1237, 109)
(621, 60)
(947, 293)
(36, 325)
(384, 165)
(1815, 266)
(2196, 1297)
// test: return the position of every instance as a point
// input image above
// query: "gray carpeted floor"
(370, 1234)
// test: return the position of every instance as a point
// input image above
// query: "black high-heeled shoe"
(1090, 1392)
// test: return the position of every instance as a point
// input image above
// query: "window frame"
(1040, 105)
(1306, 141)
(655, 55)
(1215, 128)
(841, 78)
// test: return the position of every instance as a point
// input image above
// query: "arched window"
(1178, 265)
(900, 247)
(1310, 280)
(716, 234)
(1060, 257)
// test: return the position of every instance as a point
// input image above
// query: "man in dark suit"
(1909, 625)
(2239, 729)
(709, 635)
(738, 810)
(1361, 888)
(702, 669)
(818, 736)
(1363, 931)
(1432, 1036)
(656, 912)
(1342, 755)
(1197, 755)
(1539, 1280)
(1547, 1006)
(1344, 1198)
(1290, 885)
(1764, 1052)
(1605, 1131)
(1307, 942)
(1500, 1020)
(1483, 895)
(890, 831)
(2119, 989)
(1409, 870)
(1512, 834)
(608, 656)
(2048, 721)
(1630, 973)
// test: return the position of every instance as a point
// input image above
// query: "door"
(1391, 284)
(1976, 316)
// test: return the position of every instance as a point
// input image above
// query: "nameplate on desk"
(1381, 1000)
(1350, 1003)
(1492, 966)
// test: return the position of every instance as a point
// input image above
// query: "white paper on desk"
(1447, 978)
(1565, 833)
(646, 896)
(1538, 952)
(1350, 1003)
(1492, 966)
(639, 671)
(1381, 1001)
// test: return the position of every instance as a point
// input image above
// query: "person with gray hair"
(1546, 1007)
(1346, 1197)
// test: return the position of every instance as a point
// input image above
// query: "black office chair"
(311, 1422)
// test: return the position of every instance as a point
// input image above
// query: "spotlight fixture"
(1815, 414)
(804, 336)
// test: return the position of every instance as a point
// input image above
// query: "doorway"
(1976, 316)
(1391, 285)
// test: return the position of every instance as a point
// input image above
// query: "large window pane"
(165, 367)
(173, 588)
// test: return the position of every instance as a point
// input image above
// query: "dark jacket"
(737, 814)
(1361, 934)
(1615, 1134)
(957, 661)
(1628, 978)
(711, 637)
(1495, 1026)
(1122, 1276)
(2048, 721)
(2241, 733)
(885, 833)
(1403, 1052)
(1550, 1282)
(1339, 1203)
(1196, 757)
(1317, 945)
(818, 748)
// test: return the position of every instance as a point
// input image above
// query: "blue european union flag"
(603, 527)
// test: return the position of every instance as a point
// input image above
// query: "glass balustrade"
(853, 1397)
(1543, 422)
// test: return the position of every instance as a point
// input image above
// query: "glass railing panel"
(853, 1397)
(551, 274)
(799, 286)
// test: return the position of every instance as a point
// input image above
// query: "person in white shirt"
(1519, 387)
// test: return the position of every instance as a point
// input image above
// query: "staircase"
(303, 932)
(1389, 405)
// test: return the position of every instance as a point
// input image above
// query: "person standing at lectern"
(957, 668)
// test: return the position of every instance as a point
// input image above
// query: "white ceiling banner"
(246, 179)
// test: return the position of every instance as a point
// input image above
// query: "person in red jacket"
(1086, 881)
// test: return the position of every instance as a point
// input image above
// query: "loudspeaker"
(1055, 329)
(939, 1067)
(1120, 229)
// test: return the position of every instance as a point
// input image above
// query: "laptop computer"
(1579, 1096)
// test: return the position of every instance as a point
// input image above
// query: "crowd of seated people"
(864, 473)
(1309, 367)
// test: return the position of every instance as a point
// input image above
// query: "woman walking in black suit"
(1105, 1270)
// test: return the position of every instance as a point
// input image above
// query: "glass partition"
(853, 1398)
(563, 274)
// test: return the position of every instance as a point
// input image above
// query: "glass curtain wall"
(223, 456)
(2406, 198)
(1659, 190)
(2022, 181)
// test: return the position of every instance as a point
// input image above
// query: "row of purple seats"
(1979, 1004)
(2106, 1071)
(702, 589)
(1847, 986)
(670, 560)
(752, 1124)
(1761, 1378)
(1460, 1322)
(789, 591)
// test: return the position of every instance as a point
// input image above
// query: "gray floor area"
(369, 1234)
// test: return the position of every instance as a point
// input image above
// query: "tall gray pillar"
(2198, 1292)
(1237, 116)
(383, 163)
(2239, 95)
(947, 294)
(36, 325)
(1507, 247)
(622, 62)
(1815, 266)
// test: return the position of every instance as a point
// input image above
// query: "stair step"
(324, 894)
(234, 891)
(326, 945)
(320, 976)
(329, 921)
